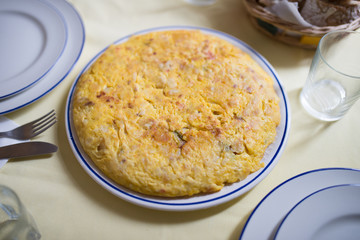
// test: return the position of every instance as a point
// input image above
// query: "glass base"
(316, 114)
(324, 100)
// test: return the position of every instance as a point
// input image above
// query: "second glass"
(15, 221)
(333, 83)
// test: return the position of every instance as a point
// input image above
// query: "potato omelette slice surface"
(175, 113)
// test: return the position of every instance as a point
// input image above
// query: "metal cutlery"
(31, 129)
(27, 149)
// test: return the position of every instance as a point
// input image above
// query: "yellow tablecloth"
(67, 204)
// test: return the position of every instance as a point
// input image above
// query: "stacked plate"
(40, 42)
(319, 204)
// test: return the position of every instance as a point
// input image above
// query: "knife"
(27, 149)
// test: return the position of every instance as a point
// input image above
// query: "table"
(67, 204)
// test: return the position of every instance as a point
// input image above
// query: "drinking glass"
(333, 82)
(15, 220)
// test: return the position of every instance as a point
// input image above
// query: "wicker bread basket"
(289, 33)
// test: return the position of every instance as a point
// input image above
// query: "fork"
(31, 129)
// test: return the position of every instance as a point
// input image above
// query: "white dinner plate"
(269, 213)
(70, 55)
(199, 201)
(331, 213)
(5, 125)
(33, 36)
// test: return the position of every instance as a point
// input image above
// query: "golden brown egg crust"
(175, 113)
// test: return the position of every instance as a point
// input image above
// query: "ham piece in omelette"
(175, 113)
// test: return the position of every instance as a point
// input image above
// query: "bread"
(175, 113)
(330, 12)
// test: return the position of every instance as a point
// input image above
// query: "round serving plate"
(198, 201)
(58, 72)
(33, 37)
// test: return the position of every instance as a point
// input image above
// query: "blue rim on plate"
(338, 176)
(309, 197)
(51, 64)
(332, 206)
(196, 202)
(64, 65)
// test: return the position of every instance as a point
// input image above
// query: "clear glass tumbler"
(333, 82)
(15, 221)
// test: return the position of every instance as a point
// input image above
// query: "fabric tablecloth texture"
(67, 204)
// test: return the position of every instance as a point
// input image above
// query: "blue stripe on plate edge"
(181, 27)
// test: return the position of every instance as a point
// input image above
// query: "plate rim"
(22, 99)
(298, 176)
(145, 200)
(309, 197)
(56, 59)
